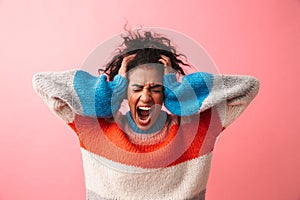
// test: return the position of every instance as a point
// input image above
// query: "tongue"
(144, 112)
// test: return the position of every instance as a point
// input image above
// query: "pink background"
(257, 157)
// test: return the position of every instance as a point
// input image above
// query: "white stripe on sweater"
(113, 180)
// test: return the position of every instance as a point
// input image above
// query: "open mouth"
(144, 115)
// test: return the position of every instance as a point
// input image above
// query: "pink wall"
(257, 157)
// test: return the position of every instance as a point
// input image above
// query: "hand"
(165, 60)
(125, 61)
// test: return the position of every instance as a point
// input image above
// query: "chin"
(144, 126)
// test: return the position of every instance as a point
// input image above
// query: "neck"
(157, 126)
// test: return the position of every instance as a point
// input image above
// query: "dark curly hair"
(148, 48)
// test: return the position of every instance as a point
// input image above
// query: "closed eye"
(136, 87)
(136, 90)
(156, 88)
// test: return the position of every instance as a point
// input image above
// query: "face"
(145, 95)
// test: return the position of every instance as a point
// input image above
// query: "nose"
(145, 95)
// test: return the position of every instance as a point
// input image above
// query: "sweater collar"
(157, 126)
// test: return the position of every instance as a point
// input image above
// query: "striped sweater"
(172, 159)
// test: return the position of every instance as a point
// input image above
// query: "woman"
(149, 152)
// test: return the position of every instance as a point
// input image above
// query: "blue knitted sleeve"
(185, 98)
(98, 97)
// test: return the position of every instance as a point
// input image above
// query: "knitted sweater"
(172, 159)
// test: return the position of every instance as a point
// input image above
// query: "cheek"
(159, 99)
(129, 95)
(132, 99)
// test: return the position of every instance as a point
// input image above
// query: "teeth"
(144, 108)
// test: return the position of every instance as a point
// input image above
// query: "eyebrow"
(156, 86)
(137, 85)
(151, 87)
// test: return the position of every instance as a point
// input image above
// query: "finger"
(165, 60)
(125, 61)
(164, 57)
(128, 58)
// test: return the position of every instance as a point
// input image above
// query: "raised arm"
(77, 91)
(197, 92)
(57, 91)
(230, 95)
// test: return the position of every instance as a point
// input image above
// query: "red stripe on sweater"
(191, 140)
